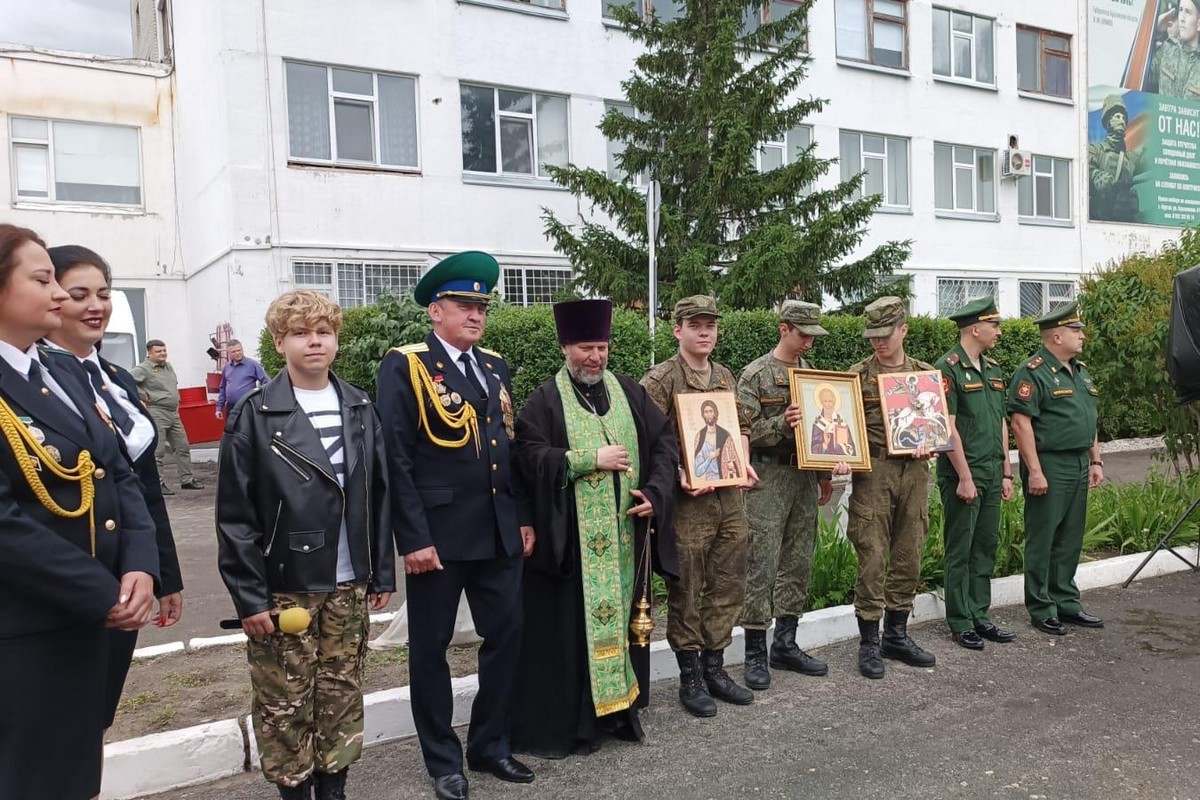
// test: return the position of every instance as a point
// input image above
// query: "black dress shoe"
(451, 787)
(994, 634)
(1082, 619)
(968, 639)
(1051, 626)
(506, 769)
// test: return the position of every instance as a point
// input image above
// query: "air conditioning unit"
(1016, 163)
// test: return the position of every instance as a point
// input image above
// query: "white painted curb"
(165, 761)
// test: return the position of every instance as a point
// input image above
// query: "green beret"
(469, 277)
(883, 315)
(982, 309)
(806, 317)
(1065, 317)
(696, 306)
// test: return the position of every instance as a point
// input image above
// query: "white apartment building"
(349, 146)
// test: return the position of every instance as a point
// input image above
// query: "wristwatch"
(1096, 464)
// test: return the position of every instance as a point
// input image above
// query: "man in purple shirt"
(240, 376)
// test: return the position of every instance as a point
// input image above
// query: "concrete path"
(1094, 715)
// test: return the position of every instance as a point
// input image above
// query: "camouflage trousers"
(704, 602)
(782, 513)
(308, 703)
(889, 517)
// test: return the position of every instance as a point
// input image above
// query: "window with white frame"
(873, 31)
(954, 293)
(1042, 297)
(964, 179)
(357, 283)
(963, 46)
(884, 159)
(512, 131)
(75, 162)
(1046, 194)
(616, 148)
(1043, 62)
(785, 150)
(351, 116)
(528, 286)
(774, 11)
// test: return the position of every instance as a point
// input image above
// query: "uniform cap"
(1065, 317)
(883, 315)
(695, 306)
(806, 317)
(982, 309)
(468, 276)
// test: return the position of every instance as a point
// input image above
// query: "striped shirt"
(324, 410)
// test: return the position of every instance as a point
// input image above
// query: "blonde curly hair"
(302, 307)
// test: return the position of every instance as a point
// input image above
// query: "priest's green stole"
(605, 542)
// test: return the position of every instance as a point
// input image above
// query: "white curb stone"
(165, 761)
(155, 650)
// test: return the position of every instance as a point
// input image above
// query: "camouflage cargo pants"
(308, 704)
(889, 517)
(704, 603)
(782, 513)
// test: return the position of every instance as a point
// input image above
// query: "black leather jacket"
(279, 504)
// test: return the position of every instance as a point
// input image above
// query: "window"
(665, 10)
(1042, 297)
(349, 116)
(527, 286)
(963, 46)
(884, 159)
(774, 11)
(874, 31)
(785, 150)
(511, 131)
(76, 162)
(358, 282)
(964, 179)
(954, 293)
(1046, 194)
(1043, 62)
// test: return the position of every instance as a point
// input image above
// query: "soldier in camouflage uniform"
(1177, 62)
(1113, 169)
(710, 525)
(782, 508)
(889, 507)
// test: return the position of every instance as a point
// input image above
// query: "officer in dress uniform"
(460, 519)
(77, 545)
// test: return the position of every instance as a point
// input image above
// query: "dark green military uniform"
(710, 530)
(975, 397)
(1061, 401)
(782, 507)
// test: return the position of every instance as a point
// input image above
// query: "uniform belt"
(881, 452)
(785, 459)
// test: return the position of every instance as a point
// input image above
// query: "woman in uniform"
(77, 545)
(87, 280)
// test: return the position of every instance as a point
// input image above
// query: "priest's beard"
(580, 375)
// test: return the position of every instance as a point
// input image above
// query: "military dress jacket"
(1062, 404)
(976, 399)
(51, 579)
(467, 501)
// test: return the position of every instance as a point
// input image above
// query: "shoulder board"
(952, 359)
(420, 347)
(489, 352)
(991, 361)
(1036, 362)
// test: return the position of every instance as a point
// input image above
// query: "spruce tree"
(707, 90)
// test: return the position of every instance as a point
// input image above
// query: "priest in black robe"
(579, 677)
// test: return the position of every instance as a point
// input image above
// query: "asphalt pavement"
(1095, 715)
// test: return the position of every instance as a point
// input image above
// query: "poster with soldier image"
(711, 439)
(914, 411)
(1143, 158)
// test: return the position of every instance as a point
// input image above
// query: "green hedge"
(527, 340)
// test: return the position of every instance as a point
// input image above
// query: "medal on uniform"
(455, 398)
(506, 409)
(37, 433)
(53, 452)
(441, 388)
(445, 400)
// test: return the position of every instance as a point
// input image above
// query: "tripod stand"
(1163, 545)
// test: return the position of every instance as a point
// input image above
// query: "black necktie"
(35, 377)
(118, 414)
(469, 368)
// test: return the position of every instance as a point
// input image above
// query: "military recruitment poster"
(1144, 111)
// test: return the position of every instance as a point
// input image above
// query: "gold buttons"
(489, 420)
(493, 442)
(495, 467)
(110, 525)
(45, 391)
(493, 490)
(304, 548)
(104, 388)
(99, 473)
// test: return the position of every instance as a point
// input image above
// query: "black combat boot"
(301, 792)
(898, 645)
(755, 672)
(870, 663)
(332, 785)
(692, 693)
(720, 685)
(785, 654)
